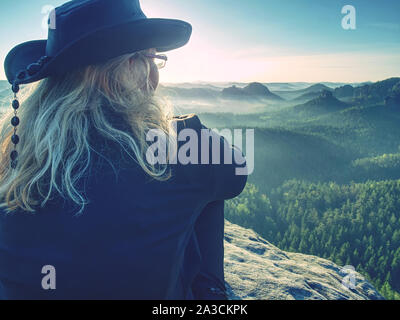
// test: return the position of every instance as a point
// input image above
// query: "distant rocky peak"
(234, 91)
(257, 88)
(325, 94)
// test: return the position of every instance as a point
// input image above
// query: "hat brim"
(99, 46)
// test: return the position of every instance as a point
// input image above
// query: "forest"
(327, 177)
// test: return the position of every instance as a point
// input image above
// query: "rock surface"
(257, 270)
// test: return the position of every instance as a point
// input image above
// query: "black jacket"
(129, 243)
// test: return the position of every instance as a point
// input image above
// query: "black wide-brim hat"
(87, 32)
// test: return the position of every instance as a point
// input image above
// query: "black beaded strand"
(15, 123)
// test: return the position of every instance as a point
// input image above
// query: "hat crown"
(74, 5)
(88, 32)
(77, 18)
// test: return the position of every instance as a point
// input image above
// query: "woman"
(84, 213)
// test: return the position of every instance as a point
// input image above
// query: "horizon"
(232, 41)
(202, 82)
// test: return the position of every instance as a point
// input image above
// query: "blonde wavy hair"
(56, 115)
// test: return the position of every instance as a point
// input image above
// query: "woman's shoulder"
(187, 117)
(206, 156)
(188, 121)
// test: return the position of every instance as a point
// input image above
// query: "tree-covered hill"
(281, 154)
(259, 90)
(326, 179)
(370, 93)
(253, 90)
(324, 103)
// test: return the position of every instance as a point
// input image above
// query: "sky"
(254, 40)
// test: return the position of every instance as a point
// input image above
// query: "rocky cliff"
(257, 270)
